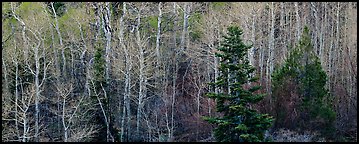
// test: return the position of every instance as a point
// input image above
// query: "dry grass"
(285, 135)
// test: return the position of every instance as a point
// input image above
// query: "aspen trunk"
(336, 50)
(107, 29)
(60, 38)
(253, 39)
(315, 11)
(158, 37)
(127, 76)
(323, 26)
(142, 76)
(270, 64)
(37, 90)
(174, 83)
(297, 21)
(15, 61)
(282, 34)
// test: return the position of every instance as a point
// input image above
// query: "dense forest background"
(121, 71)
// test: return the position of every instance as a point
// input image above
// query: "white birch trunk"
(158, 36)
(63, 119)
(282, 34)
(253, 38)
(270, 64)
(323, 26)
(298, 21)
(37, 90)
(107, 29)
(330, 59)
(24, 106)
(60, 38)
(15, 61)
(185, 26)
(336, 51)
(174, 83)
(315, 10)
(127, 76)
(142, 76)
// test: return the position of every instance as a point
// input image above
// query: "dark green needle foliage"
(239, 123)
(313, 104)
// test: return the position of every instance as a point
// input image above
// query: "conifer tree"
(302, 70)
(239, 123)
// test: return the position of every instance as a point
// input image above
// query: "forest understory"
(142, 71)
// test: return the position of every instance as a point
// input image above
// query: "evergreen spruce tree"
(303, 69)
(239, 123)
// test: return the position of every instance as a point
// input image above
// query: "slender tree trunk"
(289, 29)
(345, 45)
(60, 38)
(158, 38)
(330, 59)
(107, 29)
(37, 91)
(84, 63)
(128, 93)
(127, 76)
(337, 49)
(323, 26)
(25, 119)
(315, 11)
(15, 61)
(270, 62)
(298, 20)
(123, 125)
(282, 34)
(72, 75)
(57, 75)
(5, 75)
(198, 102)
(24, 106)
(185, 26)
(174, 83)
(142, 76)
(253, 38)
(106, 21)
(57, 66)
(208, 79)
(128, 90)
(158, 73)
(261, 61)
(63, 119)
(109, 137)
(263, 76)
(348, 50)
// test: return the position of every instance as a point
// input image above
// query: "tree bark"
(60, 38)
(142, 75)
(127, 76)
(323, 26)
(37, 91)
(174, 83)
(270, 62)
(298, 20)
(15, 61)
(185, 27)
(106, 19)
(337, 49)
(158, 37)
(253, 38)
(315, 11)
(282, 34)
